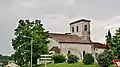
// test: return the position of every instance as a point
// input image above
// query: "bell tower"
(81, 28)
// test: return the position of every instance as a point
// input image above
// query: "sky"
(56, 16)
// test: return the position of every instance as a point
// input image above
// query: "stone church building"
(77, 41)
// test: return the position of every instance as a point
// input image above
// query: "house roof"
(74, 39)
(56, 49)
(101, 46)
(84, 20)
(66, 38)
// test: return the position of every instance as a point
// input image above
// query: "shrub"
(5, 62)
(88, 59)
(59, 58)
(105, 58)
(72, 58)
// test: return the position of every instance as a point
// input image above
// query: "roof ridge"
(80, 21)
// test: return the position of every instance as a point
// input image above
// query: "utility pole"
(31, 47)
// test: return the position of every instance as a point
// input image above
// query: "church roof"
(84, 20)
(56, 49)
(66, 38)
(101, 46)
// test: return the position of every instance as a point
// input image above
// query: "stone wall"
(76, 49)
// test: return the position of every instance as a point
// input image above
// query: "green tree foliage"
(72, 58)
(88, 59)
(26, 34)
(105, 58)
(59, 58)
(5, 62)
(114, 42)
(5, 57)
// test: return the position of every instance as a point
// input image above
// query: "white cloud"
(56, 22)
(99, 28)
(70, 2)
(56, 16)
(30, 4)
(113, 26)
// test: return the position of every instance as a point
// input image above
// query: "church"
(78, 41)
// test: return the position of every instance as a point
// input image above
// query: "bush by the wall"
(59, 58)
(72, 58)
(105, 58)
(88, 59)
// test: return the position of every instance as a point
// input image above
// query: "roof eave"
(84, 20)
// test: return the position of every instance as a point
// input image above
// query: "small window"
(73, 29)
(85, 27)
(96, 49)
(77, 29)
(96, 54)
(69, 51)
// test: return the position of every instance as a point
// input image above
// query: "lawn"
(80, 64)
(69, 65)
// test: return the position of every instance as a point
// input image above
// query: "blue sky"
(56, 16)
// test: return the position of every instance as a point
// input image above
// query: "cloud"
(30, 4)
(99, 28)
(56, 23)
(70, 2)
(113, 26)
(56, 16)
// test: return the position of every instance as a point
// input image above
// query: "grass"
(112, 66)
(80, 64)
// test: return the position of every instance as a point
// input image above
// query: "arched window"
(85, 27)
(73, 29)
(77, 29)
(69, 51)
(83, 52)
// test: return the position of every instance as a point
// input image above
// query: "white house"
(77, 41)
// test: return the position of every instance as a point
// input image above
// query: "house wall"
(76, 49)
(99, 50)
(81, 31)
(53, 43)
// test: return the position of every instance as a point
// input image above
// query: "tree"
(105, 58)
(5, 62)
(59, 58)
(26, 34)
(71, 58)
(88, 59)
(114, 43)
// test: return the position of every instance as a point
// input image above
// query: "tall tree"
(108, 36)
(26, 34)
(114, 43)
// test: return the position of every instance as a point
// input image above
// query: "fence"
(44, 59)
